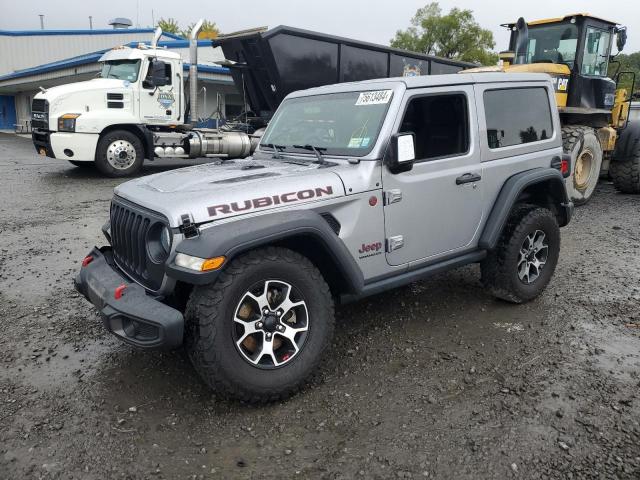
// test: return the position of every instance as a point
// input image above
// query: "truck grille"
(130, 225)
(40, 113)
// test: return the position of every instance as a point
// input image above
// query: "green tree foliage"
(170, 25)
(209, 30)
(455, 35)
(628, 63)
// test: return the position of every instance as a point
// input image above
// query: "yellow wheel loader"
(594, 109)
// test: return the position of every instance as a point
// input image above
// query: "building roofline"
(95, 56)
(103, 31)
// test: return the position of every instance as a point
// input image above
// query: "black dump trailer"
(267, 65)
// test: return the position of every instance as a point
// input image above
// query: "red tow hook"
(119, 291)
(87, 260)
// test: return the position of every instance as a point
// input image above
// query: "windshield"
(553, 44)
(121, 69)
(337, 123)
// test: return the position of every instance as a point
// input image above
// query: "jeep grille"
(130, 224)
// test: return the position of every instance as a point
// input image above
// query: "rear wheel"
(119, 154)
(523, 262)
(261, 329)
(582, 144)
(626, 175)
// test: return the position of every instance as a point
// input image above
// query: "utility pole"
(90, 22)
(41, 22)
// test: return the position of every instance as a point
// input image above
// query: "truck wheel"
(521, 265)
(626, 175)
(586, 160)
(260, 330)
(119, 154)
(82, 164)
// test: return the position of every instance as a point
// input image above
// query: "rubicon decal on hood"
(263, 202)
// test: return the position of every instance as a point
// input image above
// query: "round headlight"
(159, 242)
(165, 240)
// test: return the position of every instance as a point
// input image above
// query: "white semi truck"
(135, 110)
(139, 108)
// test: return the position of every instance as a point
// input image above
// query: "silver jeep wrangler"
(355, 189)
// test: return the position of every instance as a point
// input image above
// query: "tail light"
(563, 164)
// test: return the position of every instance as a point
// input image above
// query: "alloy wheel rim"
(121, 154)
(270, 324)
(532, 257)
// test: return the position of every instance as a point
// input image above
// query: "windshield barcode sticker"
(374, 98)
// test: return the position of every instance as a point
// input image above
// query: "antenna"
(41, 22)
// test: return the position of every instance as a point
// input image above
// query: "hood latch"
(188, 228)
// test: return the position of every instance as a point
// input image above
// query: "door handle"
(468, 178)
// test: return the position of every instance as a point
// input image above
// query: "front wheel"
(261, 329)
(523, 262)
(119, 154)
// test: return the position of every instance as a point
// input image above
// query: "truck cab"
(135, 86)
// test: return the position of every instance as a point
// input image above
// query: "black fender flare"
(509, 194)
(236, 237)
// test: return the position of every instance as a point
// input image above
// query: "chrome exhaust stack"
(193, 70)
(156, 37)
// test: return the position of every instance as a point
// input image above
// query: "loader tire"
(583, 145)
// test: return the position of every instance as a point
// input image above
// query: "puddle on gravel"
(617, 353)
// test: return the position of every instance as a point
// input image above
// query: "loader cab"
(580, 42)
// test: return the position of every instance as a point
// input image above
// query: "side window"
(440, 123)
(517, 115)
(167, 74)
(596, 52)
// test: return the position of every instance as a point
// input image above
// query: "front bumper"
(136, 317)
(42, 142)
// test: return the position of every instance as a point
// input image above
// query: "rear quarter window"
(516, 116)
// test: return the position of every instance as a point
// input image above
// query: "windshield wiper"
(315, 150)
(277, 149)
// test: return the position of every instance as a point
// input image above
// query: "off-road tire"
(626, 175)
(577, 139)
(82, 164)
(103, 165)
(499, 269)
(209, 318)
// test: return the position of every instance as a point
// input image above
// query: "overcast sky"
(371, 20)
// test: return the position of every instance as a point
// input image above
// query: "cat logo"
(561, 84)
(166, 99)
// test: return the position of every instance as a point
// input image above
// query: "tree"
(628, 63)
(208, 30)
(170, 25)
(455, 35)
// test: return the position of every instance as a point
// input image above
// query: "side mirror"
(621, 41)
(402, 152)
(158, 74)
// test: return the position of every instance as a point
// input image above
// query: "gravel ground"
(435, 380)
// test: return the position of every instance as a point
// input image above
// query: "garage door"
(7, 112)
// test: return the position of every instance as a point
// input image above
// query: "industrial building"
(46, 58)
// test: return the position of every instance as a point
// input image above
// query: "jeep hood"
(220, 190)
